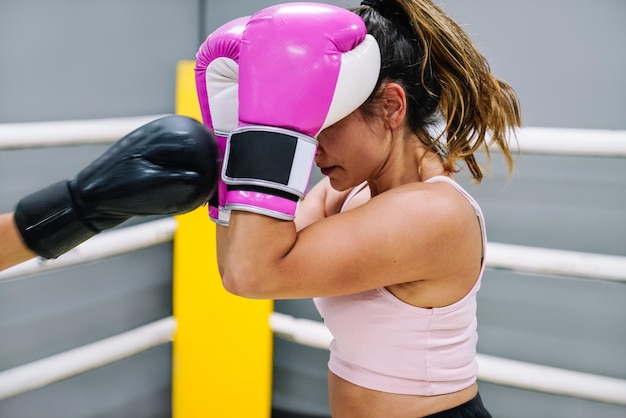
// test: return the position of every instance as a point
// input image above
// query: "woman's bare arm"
(268, 258)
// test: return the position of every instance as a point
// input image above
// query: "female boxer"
(388, 243)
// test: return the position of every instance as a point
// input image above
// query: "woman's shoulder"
(439, 202)
(425, 194)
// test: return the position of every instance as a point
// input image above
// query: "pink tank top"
(385, 344)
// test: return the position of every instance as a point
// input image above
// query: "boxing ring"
(222, 344)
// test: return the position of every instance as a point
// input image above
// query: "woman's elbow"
(233, 286)
(242, 282)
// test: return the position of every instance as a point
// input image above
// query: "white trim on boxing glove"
(357, 79)
(222, 93)
(263, 204)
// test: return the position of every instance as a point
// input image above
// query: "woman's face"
(352, 150)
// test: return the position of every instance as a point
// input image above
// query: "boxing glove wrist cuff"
(262, 203)
(270, 158)
(48, 223)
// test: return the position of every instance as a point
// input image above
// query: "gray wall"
(565, 58)
(71, 59)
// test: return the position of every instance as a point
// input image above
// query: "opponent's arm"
(13, 250)
(165, 167)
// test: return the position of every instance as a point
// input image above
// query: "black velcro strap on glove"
(269, 158)
(48, 222)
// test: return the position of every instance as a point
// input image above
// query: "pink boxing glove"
(302, 67)
(217, 74)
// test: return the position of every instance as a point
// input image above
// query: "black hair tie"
(392, 11)
(370, 3)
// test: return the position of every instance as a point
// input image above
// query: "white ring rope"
(558, 262)
(491, 369)
(563, 141)
(69, 363)
(537, 377)
(558, 141)
(501, 256)
(88, 357)
(63, 133)
(107, 244)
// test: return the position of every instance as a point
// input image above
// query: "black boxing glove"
(165, 167)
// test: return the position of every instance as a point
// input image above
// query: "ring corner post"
(222, 349)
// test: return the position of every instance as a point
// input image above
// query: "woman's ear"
(394, 99)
